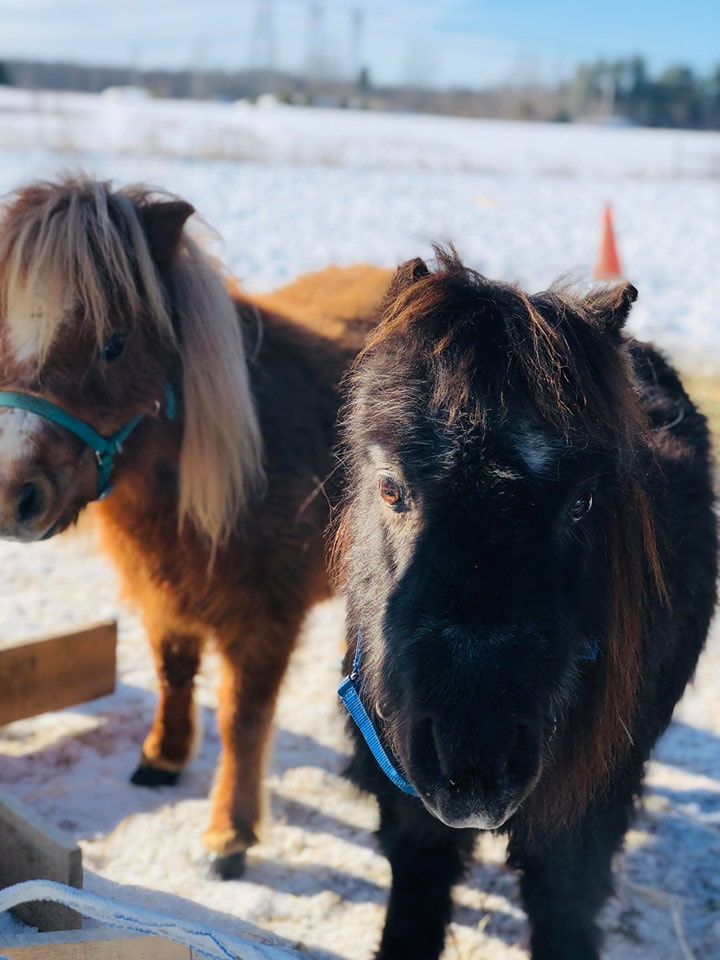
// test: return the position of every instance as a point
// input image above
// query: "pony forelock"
(74, 249)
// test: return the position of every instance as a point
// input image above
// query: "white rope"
(204, 941)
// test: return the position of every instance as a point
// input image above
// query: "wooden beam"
(31, 849)
(93, 945)
(57, 672)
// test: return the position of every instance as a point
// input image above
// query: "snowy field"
(291, 190)
(288, 191)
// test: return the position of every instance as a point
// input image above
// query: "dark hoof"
(147, 776)
(231, 867)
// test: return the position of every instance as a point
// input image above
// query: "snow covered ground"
(522, 202)
(126, 124)
(291, 191)
(317, 879)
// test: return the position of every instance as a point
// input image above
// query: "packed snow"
(289, 191)
(124, 123)
(301, 188)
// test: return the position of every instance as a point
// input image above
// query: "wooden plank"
(57, 672)
(93, 945)
(32, 849)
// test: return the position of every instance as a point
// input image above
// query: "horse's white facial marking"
(537, 451)
(28, 337)
(379, 456)
(19, 433)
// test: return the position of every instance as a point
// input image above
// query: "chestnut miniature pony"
(127, 369)
(528, 548)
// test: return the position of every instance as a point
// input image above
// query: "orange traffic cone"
(607, 265)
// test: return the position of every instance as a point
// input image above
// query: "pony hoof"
(230, 867)
(147, 776)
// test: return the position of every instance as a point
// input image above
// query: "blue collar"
(104, 448)
(350, 695)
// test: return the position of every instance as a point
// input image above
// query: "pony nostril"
(521, 733)
(520, 742)
(30, 503)
(523, 755)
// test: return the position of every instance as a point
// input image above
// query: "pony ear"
(163, 223)
(411, 271)
(408, 274)
(611, 305)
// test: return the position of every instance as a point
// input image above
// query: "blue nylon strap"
(592, 650)
(105, 457)
(104, 448)
(350, 696)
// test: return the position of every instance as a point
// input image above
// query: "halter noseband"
(104, 448)
(349, 692)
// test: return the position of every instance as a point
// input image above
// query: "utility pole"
(262, 36)
(315, 64)
(356, 46)
(197, 76)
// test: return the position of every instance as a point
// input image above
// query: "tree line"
(621, 89)
(677, 97)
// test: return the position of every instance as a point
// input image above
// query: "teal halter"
(104, 448)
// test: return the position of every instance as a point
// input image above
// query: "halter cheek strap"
(104, 448)
(349, 692)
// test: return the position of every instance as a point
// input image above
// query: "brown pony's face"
(103, 370)
(482, 492)
(47, 474)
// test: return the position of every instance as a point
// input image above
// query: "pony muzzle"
(474, 775)
(26, 507)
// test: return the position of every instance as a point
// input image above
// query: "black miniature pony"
(528, 549)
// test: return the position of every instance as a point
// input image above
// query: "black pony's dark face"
(476, 567)
(486, 586)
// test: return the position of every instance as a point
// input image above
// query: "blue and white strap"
(350, 695)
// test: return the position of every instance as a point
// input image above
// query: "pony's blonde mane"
(77, 248)
(74, 249)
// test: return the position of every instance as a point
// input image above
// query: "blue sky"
(444, 42)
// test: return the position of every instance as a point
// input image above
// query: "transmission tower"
(357, 21)
(316, 55)
(262, 47)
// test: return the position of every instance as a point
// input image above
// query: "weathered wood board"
(93, 945)
(30, 849)
(57, 672)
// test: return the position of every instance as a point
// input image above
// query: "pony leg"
(249, 683)
(427, 859)
(174, 729)
(566, 880)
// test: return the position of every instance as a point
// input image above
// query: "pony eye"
(113, 347)
(582, 506)
(390, 492)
